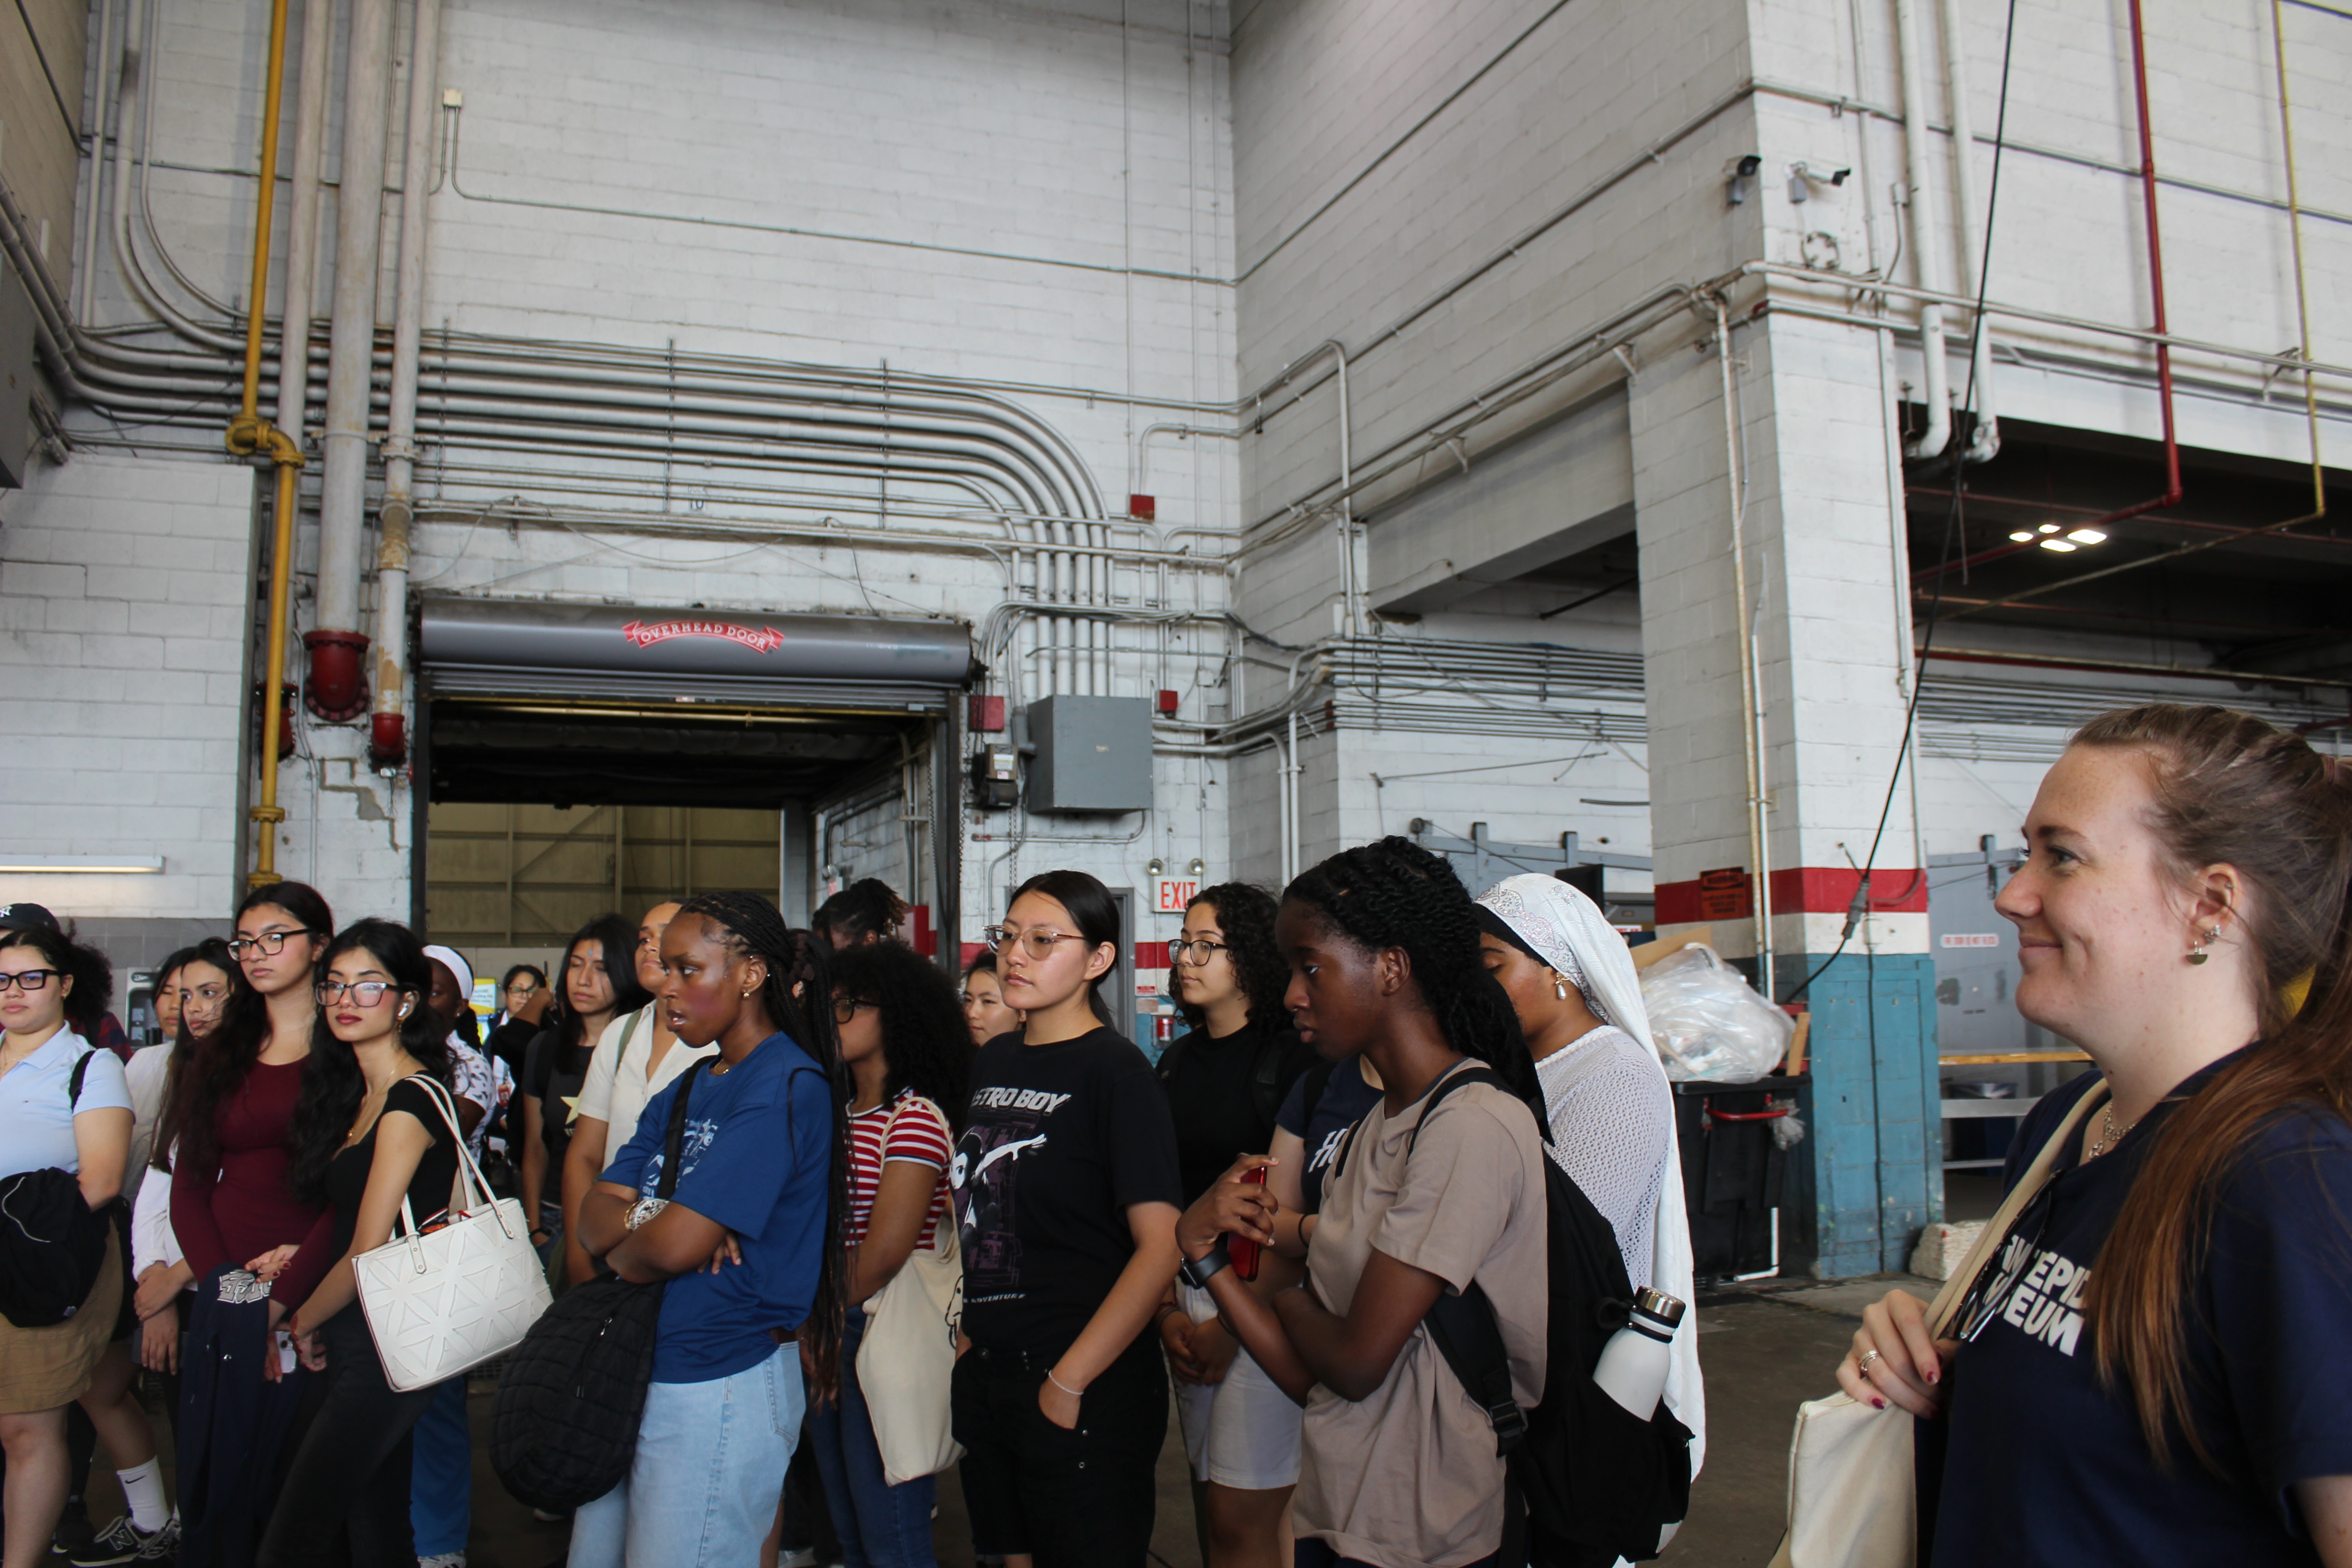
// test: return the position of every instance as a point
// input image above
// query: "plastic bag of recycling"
(1708, 1023)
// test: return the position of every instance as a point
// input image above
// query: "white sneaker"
(805, 1557)
(443, 1560)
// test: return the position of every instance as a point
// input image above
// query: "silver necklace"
(2108, 1137)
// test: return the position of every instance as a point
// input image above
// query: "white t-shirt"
(145, 1072)
(35, 1123)
(472, 1072)
(153, 1240)
(618, 1086)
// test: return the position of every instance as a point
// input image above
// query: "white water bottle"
(1633, 1368)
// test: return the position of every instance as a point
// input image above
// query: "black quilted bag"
(563, 1427)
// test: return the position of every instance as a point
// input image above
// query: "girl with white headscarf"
(1571, 979)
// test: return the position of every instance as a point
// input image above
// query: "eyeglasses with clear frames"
(1039, 940)
(269, 945)
(363, 992)
(1196, 953)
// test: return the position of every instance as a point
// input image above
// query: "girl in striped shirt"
(904, 1040)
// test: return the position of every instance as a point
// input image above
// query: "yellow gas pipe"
(249, 434)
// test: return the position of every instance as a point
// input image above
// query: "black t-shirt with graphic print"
(1346, 1100)
(2044, 1466)
(1059, 1141)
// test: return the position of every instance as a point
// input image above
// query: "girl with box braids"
(798, 996)
(1395, 894)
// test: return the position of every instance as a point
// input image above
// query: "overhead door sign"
(759, 639)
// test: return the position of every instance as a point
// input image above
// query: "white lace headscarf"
(1568, 931)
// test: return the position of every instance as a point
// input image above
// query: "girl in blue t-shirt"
(750, 1241)
(2149, 1370)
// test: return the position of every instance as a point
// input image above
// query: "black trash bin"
(1733, 1170)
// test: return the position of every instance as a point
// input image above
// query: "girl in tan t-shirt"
(1399, 1467)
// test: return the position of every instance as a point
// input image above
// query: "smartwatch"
(1198, 1274)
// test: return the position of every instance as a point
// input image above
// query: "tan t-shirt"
(1408, 1478)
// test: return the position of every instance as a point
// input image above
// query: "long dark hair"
(1245, 914)
(89, 970)
(867, 910)
(620, 963)
(925, 1039)
(800, 960)
(1092, 910)
(225, 1057)
(214, 952)
(1396, 894)
(333, 1086)
(2230, 789)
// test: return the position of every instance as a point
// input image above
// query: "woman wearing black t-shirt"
(367, 1134)
(599, 982)
(2151, 1371)
(1066, 1191)
(1226, 1081)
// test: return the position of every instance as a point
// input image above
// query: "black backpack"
(1267, 1086)
(1586, 1482)
(563, 1426)
(52, 1244)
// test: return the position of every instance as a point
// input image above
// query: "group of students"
(1379, 1070)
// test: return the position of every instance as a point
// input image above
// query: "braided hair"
(1396, 894)
(1244, 913)
(798, 962)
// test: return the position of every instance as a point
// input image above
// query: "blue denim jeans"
(710, 1466)
(880, 1525)
(441, 1473)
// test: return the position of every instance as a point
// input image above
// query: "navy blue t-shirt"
(1346, 1100)
(757, 1158)
(2044, 1466)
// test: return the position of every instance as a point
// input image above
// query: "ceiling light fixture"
(2087, 536)
(2060, 545)
(2049, 528)
(2022, 538)
(82, 865)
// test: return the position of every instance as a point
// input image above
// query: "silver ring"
(1863, 1366)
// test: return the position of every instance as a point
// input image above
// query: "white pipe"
(1985, 441)
(1936, 389)
(1287, 796)
(1750, 719)
(407, 338)
(87, 281)
(302, 219)
(359, 213)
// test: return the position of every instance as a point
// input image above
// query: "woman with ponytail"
(750, 1241)
(1065, 1188)
(1397, 1464)
(2147, 1371)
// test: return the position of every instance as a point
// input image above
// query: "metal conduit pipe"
(388, 728)
(1750, 697)
(1935, 376)
(298, 361)
(1142, 482)
(1984, 441)
(338, 685)
(92, 205)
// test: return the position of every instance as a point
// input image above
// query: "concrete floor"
(1764, 1350)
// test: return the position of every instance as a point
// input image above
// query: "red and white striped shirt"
(911, 1129)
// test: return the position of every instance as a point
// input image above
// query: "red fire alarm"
(1143, 509)
(987, 715)
(1168, 702)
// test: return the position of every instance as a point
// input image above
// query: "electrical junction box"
(1093, 753)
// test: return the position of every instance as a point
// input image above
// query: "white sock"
(143, 1488)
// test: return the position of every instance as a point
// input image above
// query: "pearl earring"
(2198, 954)
(1559, 985)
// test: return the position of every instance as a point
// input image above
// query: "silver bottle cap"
(1657, 1304)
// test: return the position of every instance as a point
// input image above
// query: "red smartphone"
(1241, 1248)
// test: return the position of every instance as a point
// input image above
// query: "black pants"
(1079, 1498)
(345, 1497)
(232, 1423)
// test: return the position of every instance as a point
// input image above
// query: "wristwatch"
(1197, 1274)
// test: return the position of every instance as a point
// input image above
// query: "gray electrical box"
(1094, 753)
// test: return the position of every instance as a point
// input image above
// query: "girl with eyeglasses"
(1066, 1184)
(65, 1122)
(903, 1043)
(232, 1113)
(1226, 1080)
(367, 1135)
(2149, 1370)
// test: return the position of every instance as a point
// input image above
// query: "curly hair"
(333, 1086)
(869, 910)
(800, 961)
(1396, 894)
(1244, 913)
(91, 974)
(924, 1038)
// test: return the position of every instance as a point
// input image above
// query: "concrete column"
(1826, 584)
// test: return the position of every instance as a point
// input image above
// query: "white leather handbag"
(448, 1300)
(1853, 1499)
(907, 1358)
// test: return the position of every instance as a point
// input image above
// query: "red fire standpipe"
(337, 688)
(387, 739)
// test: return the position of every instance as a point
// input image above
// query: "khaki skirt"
(42, 1369)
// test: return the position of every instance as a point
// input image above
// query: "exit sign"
(1175, 893)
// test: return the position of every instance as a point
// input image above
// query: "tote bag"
(1853, 1499)
(443, 1303)
(907, 1358)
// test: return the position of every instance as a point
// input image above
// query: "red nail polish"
(1935, 1376)
(1878, 1405)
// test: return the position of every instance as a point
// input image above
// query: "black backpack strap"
(674, 1141)
(1467, 1335)
(73, 1084)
